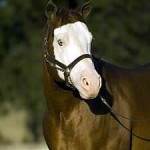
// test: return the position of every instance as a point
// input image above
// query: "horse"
(90, 104)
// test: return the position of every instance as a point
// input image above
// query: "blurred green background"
(121, 29)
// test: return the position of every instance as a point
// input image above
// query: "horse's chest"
(73, 136)
(86, 135)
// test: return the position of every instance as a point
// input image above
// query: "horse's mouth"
(92, 91)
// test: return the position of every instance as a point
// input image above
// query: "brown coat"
(71, 123)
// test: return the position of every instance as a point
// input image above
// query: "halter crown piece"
(59, 65)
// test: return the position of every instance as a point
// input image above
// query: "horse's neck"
(129, 88)
(113, 80)
(58, 99)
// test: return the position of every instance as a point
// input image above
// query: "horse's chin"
(87, 96)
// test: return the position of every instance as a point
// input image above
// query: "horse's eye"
(60, 42)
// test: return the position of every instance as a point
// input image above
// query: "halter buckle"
(68, 80)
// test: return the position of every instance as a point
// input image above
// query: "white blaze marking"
(70, 42)
(76, 41)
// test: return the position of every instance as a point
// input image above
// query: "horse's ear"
(51, 10)
(85, 9)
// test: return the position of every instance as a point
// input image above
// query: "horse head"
(69, 46)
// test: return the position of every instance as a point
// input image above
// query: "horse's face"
(69, 42)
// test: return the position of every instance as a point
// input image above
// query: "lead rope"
(113, 114)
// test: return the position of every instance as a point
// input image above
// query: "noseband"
(59, 65)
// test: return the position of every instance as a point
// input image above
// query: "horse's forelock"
(67, 16)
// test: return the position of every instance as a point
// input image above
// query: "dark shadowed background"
(121, 29)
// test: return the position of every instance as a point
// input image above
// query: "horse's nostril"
(85, 82)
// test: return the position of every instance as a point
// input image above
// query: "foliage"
(121, 30)
(21, 59)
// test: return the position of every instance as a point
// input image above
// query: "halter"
(69, 83)
(59, 65)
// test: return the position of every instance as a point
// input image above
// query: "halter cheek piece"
(59, 65)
